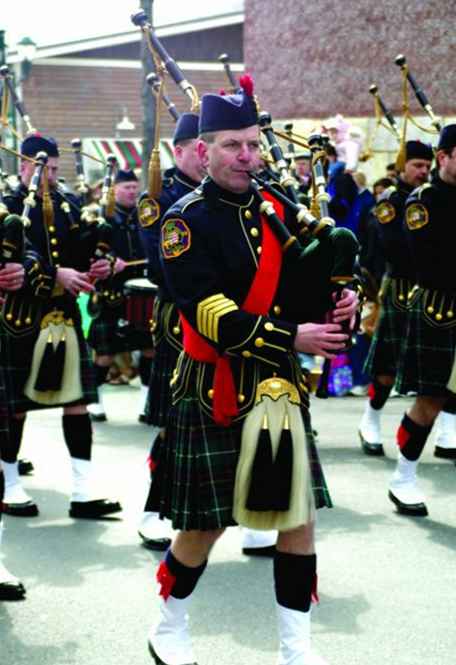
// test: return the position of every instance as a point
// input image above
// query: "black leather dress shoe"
(25, 467)
(27, 509)
(12, 591)
(98, 417)
(92, 510)
(410, 509)
(156, 544)
(157, 659)
(267, 551)
(372, 449)
(445, 453)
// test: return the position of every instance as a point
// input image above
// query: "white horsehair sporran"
(278, 403)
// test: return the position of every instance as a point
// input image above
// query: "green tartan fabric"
(429, 348)
(193, 482)
(386, 346)
(164, 361)
(110, 333)
(16, 355)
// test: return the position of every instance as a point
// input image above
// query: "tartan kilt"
(158, 404)
(110, 333)
(386, 347)
(429, 348)
(16, 355)
(195, 469)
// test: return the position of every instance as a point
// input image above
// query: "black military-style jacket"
(126, 244)
(211, 242)
(389, 213)
(175, 185)
(431, 233)
(64, 243)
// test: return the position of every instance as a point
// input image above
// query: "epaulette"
(387, 193)
(193, 197)
(419, 190)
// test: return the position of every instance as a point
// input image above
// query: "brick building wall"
(313, 59)
(78, 101)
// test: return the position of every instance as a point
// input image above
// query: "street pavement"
(386, 582)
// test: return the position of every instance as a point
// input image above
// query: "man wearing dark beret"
(178, 181)
(109, 333)
(221, 262)
(427, 362)
(398, 281)
(44, 354)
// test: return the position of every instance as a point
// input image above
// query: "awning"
(127, 151)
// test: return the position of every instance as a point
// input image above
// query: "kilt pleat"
(107, 336)
(428, 353)
(386, 347)
(159, 395)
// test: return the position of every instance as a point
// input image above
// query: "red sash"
(258, 301)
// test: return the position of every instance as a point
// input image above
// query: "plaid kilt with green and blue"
(16, 357)
(194, 477)
(386, 346)
(166, 318)
(430, 343)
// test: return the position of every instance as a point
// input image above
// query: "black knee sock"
(411, 438)
(11, 442)
(144, 369)
(100, 374)
(175, 578)
(77, 432)
(378, 394)
(294, 577)
(2, 490)
(450, 405)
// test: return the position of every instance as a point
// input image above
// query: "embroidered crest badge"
(148, 212)
(385, 212)
(416, 216)
(175, 238)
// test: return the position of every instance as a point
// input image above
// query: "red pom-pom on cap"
(246, 83)
(222, 92)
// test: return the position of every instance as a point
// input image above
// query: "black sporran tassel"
(59, 363)
(45, 380)
(260, 492)
(283, 470)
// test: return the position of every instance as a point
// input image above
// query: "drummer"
(110, 332)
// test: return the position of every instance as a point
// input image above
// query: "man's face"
(302, 167)
(27, 169)
(126, 193)
(188, 160)
(231, 156)
(416, 172)
(447, 166)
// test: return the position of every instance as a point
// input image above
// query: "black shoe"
(12, 591)
(27, 509)
(91, 510)
(372, 449)
(142, 418)
(25, 467)
(267, 551)
(156, 544)
(157, 659)
(98, 417)
(410, 509)
(445, 453)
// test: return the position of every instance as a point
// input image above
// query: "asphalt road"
(387, 583)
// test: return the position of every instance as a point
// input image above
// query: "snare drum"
(139, 294)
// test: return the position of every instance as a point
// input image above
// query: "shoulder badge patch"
(416, 216)
(175, 238)
(148, 212)
(385, 212)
